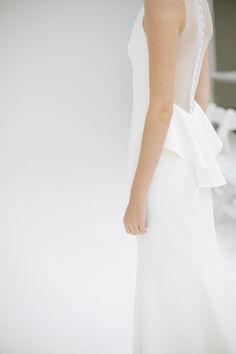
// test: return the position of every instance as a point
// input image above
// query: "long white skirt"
(184, 302)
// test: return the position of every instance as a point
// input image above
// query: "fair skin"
(163, 22)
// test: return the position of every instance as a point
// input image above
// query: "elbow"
(163, 111)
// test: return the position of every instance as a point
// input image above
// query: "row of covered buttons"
(198, 58)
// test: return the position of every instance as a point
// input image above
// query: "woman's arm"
(163, 22)
(202, 92)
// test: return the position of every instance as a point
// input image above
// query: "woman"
(183, 301)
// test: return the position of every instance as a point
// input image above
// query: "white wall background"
(66, 265)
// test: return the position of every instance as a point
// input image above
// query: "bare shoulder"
(164, 12)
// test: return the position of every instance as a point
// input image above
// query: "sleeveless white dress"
(184, 300)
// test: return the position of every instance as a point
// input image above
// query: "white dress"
(184, 300)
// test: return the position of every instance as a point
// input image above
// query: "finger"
(142, 229)
(134, 229)
(127, 229)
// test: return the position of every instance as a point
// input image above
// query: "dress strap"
(197, 67)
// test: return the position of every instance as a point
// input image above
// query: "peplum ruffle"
(193, 138)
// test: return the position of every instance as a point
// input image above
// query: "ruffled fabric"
(193, 138)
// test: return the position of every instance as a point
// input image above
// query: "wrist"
(138, 195)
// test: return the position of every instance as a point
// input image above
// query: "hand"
(135, 218)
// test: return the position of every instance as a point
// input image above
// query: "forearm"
(154, 134)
